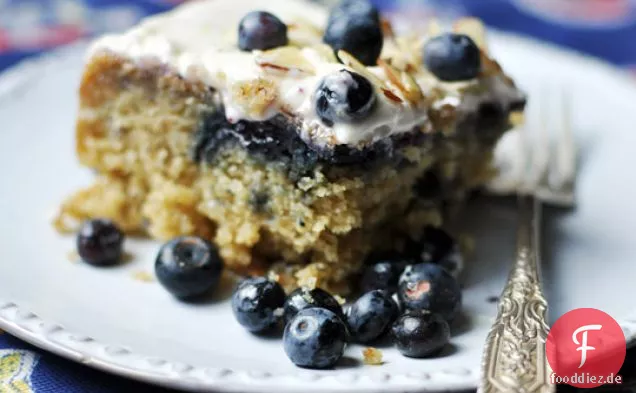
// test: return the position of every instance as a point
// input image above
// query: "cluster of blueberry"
(187, 267)
(355, 27)
(317, 329)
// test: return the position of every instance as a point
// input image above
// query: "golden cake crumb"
(342, 301)
(372, 356)
(73, 256)
(143, 276)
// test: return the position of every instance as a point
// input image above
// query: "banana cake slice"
(297, 139)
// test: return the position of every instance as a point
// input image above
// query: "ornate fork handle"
(514, 358)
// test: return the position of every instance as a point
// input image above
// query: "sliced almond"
(350, 61)
(325, 52)
(302, 32)
(286, 60)
(412, 91)
(387, 28)
(410, 53)
(391, 96)
(489, 66)
(391, 73)
(403, 82)
(473, 28)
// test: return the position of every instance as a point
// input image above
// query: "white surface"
(106, 319)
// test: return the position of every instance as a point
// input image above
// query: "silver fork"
(538, 170)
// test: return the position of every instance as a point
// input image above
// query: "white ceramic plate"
(106, 319)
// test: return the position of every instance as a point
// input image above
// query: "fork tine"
(537, 148)
(566, 162)
(558, 187)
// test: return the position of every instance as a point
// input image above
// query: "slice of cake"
(298, 140)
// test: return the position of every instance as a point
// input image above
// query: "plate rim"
(50, 336)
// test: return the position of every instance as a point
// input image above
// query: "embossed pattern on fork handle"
(514, 357)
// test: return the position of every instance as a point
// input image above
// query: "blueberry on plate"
(100, 242)
(430, 287)
(371, 315)
(257, 303)
(437, 246)
(303, 298)
(420, 334)
(315, 338)
(344, 96)
(383, 272)
(261, 30)
(188, 267)
(360, 8)
(452, 57)
(360, 35)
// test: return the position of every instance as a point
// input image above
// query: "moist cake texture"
(189, 135)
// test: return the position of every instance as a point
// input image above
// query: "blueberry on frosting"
(452, 57)
(354, 26)
(344, 96)
(261, 30)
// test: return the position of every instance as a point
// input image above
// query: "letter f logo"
(583, 344)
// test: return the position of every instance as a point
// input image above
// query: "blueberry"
(303, 298)
(100, 242)
(315, 338)
(257, 303)
(427, 286)
(188, 267)
(437, 246)
(452, 57)
(371, 315)
(358, 34)
(261, 30)
(420, 334)
(383, 272)
(361, 8)
(344, 96)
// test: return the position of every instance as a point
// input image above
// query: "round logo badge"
(586, 348)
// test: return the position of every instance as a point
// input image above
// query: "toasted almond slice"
(352, 62)
(412, 90)
(302, 32)
(392, 73)
(286, 59)
(391, 96)
(403, 82)
(325, 52)
(489, 66)
(387, 28)
(473, 28)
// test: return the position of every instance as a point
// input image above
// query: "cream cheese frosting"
(199, 41)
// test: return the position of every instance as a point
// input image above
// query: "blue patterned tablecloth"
(603, 28)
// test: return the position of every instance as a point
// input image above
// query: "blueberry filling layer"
(277, 140)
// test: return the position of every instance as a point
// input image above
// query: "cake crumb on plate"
(143, 276)
(372, 356)
(73, 256)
